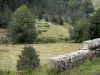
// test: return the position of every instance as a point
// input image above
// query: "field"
(9, 53)
(54, 30)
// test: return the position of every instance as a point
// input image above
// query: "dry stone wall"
(88, 50)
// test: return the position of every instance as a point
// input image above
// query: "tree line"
(86, 28)
(57, 11)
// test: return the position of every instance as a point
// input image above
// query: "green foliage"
(66, 39)
(46, 40)
(86, 28)
(40, 16)
(44, 30)
(47, 26)
(40, 26)
(5, 15)
(61, 21)
(80, 32)
(39, 31)
(45, 9)
(28, 60)
(22, 26)
(50, 40)
(54, 19)
(46, 18)
(95, 25)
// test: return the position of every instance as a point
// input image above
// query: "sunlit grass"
(96, 4)
(9, 53)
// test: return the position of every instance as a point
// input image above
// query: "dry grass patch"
(45, 51)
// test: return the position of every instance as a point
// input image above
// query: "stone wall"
(89, 50)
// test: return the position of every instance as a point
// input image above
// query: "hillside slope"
(54, 30)
(96, 4)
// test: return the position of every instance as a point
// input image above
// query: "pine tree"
(28, 60)
(61, 21)
(22, 26)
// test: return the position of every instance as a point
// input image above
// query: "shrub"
(46, 40)
(40, 26)
(61, 40)
(4, 40)
(44, 30)
(46, 18)
(66, 39)
(28, 60)
(39, 32)
(51, 40)
(47, 26)
(22, 26)
(40, 40)
(54, 19)
(61, 21)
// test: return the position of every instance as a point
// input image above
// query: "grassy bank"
(87, 68)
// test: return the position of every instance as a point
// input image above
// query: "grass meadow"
(96, 4)
(9, 53)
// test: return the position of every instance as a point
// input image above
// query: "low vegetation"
(87, 68)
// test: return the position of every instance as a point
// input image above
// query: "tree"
(54, 19)
(28, 60)
(95, 25)
(80, 32)
(5, 15)
(22, 26)
(61, 21)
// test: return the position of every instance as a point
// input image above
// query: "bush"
(51, 40)
(47, 26)
(61, 21)
(21, 28)
(40, 26)
(54, 19)
(61, 39)
(44, 30)
(28, 60)
(46, 40)
(66, 39)
(39, 32)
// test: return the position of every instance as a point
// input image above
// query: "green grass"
(54, 30)
(9, 53)
(87, 68)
